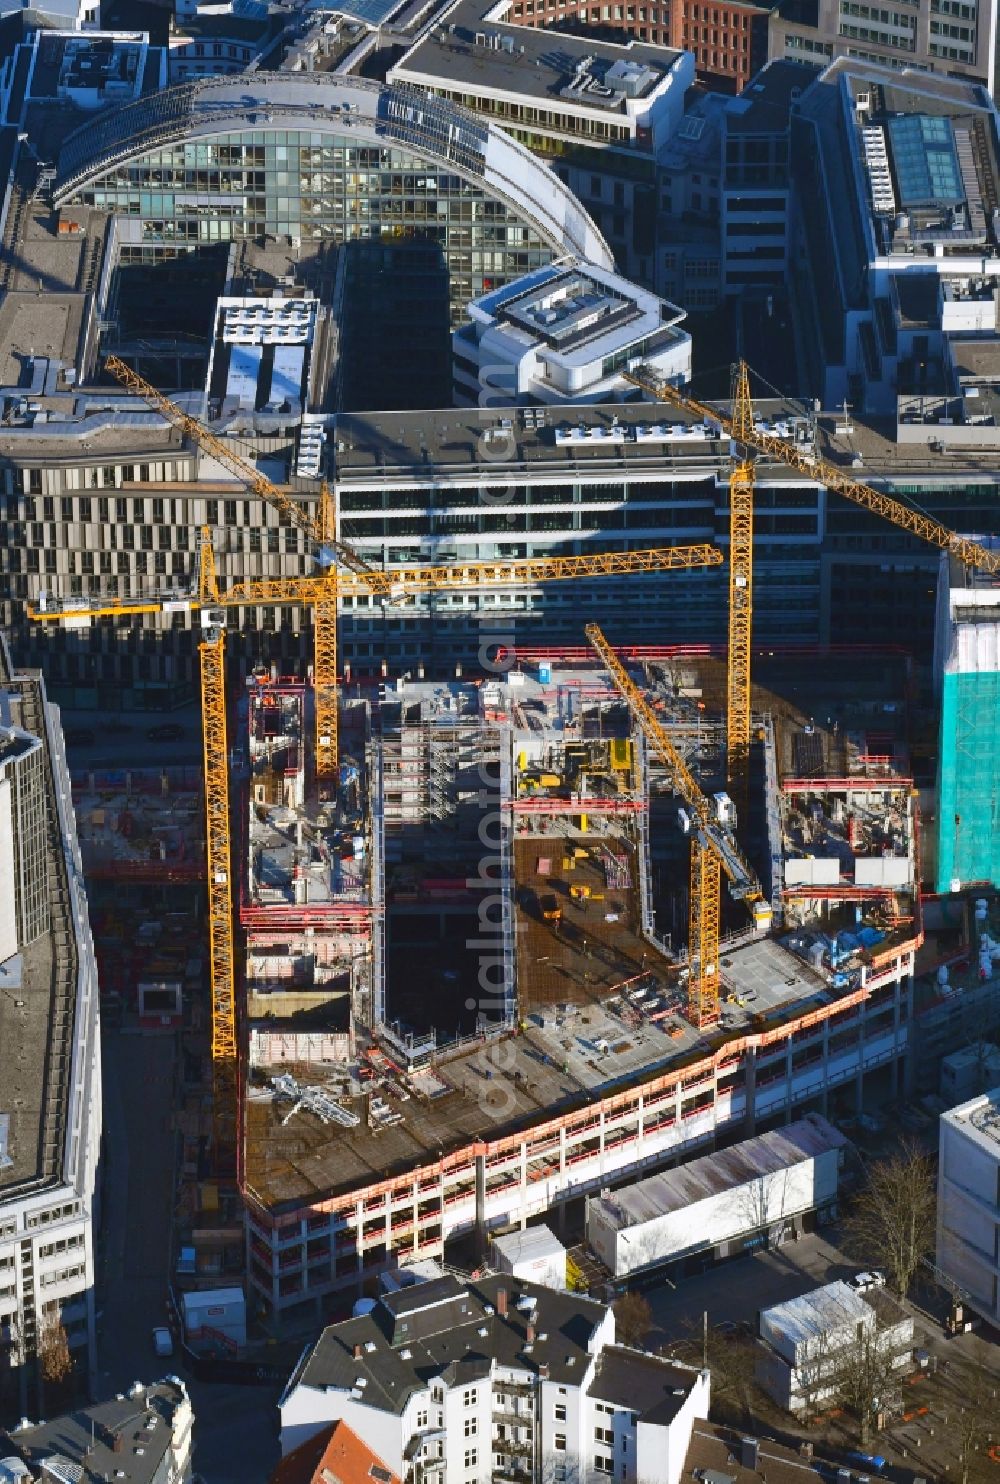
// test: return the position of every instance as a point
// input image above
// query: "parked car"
(163, 1341)
(861, 1282)
(79, 737)
(873, 1461)
(167, 731)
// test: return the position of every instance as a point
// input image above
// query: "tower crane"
(330, 553)
(748, 440)
(211, 604)
(713, 848)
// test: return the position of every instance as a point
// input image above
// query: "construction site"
(479, 946)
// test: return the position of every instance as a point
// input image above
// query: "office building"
(120, 514)
(495, 1376)
(595, 107)
(967, 676)
(894, 249)
(724, 181)
(727, 42)
(948, 39)
(50, 1098)
(565, 334)
(756, 1193)
(144, 1436)
(969, 1203)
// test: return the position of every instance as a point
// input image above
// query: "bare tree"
(732, 1361)
(974, 1422)
(633, 1318)
(893, 1220)
(863, 1375)
(54, 1356)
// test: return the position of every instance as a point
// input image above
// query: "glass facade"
(322, 188)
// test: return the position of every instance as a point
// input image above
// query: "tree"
(894, 1217)
(732, 1361)
(863, 1375)
(54, 1354)
(633, 1318)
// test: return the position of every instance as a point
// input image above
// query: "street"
(235, 1426)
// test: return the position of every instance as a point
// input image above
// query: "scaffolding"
(969, 780)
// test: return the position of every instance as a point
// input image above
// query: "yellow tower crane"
(713, 849)
(322, 533)
(748, 440)
(211, 604)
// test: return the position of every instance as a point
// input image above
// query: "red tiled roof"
(336, 1455)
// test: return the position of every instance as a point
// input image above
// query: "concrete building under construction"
(460, 1013)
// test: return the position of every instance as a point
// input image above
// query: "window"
(603, 1464)
(559, 1442)
(471, 1427)
(559, 1412)
(470, 1398)
(471, 1458)
(422, 1417)
(604, 1435)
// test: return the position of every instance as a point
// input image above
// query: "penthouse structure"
(50, 1100)
(565, 334)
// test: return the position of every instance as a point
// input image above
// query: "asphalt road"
(739, 1289)
(235, 1426)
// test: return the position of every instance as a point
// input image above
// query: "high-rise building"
(50, 1092)
(967, 675)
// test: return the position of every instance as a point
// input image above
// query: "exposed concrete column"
(910, 1055)
(825, 1101)
(480, 1206)
(751, 1091)
(859, 1080)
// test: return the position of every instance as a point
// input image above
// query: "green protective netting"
(969, 781)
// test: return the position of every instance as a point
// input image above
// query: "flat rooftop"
(767, 1154)
(634, 436)
(467, 49)
(980, 1118)
(38, 1002)
(578, 1053)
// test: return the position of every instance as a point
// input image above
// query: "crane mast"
(713, 850)
(218, 845)
(331, 553)
(741, 493)
(320, 592)
(820, 471)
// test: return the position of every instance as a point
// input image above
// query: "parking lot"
(922, 1439)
